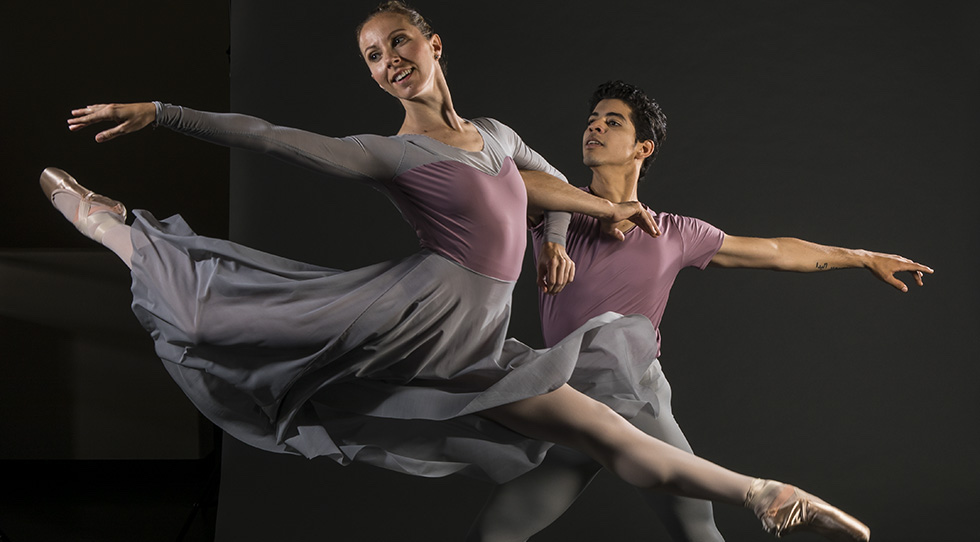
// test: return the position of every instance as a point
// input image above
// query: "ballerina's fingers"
(642, 218)
(129, 118)
(646, 222)
(115, 132)
(87, 116)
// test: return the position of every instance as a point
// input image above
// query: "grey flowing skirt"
(388, 364)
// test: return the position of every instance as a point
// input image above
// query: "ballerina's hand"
(128, 118)
(635, 213)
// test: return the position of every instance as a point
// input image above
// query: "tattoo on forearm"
(825, 266)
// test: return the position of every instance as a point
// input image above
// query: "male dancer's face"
(610, 137)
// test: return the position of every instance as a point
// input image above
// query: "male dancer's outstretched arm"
(791, 254)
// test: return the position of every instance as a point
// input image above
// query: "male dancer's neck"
(616, 186)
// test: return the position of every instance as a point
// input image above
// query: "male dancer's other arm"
(790, 254)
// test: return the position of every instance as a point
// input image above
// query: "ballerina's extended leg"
(99, 218)
(568, 417)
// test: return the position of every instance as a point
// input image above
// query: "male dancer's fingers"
(920, 269)
(886, 266)
(888, 276)
(898, 284)
(542, 281)
(565, 274)
(546, 274)
(916, 275)
(553, 268)
(552, 275)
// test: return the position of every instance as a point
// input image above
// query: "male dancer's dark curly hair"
(649, 120)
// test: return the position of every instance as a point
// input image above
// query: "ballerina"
(403, 364)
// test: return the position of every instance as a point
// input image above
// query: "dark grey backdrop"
(839, 122)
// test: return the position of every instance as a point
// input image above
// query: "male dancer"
(624, 133)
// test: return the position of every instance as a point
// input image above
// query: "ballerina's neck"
(462, 134)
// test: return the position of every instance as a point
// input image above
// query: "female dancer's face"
(402, 61)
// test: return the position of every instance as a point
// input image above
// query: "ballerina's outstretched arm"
(347, 157)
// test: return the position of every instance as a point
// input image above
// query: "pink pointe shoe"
(96, 214)
(785, 509)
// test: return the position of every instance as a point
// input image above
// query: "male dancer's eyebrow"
(609, 114)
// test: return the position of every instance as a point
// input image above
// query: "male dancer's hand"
(555, 268)
(128, 118)
(886, 266)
